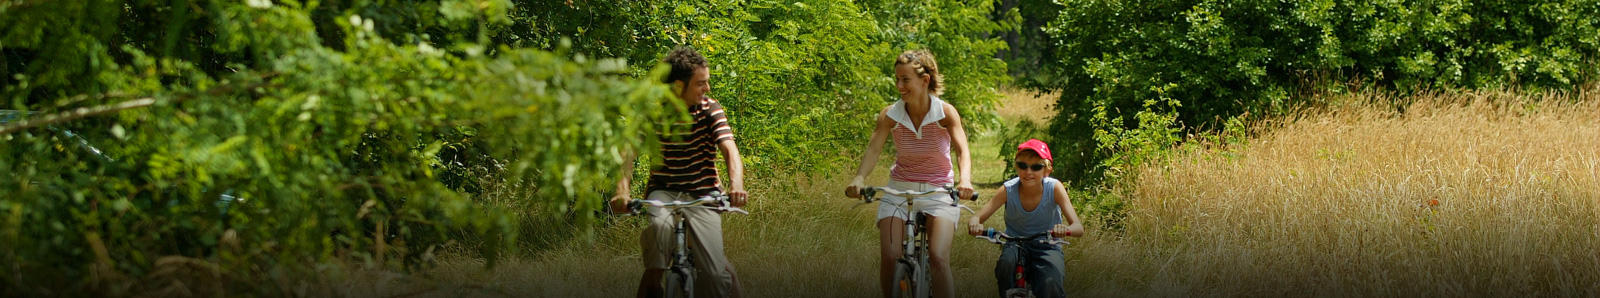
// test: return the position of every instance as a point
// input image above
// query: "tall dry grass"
(1475, 194)
(1335, 203)
(1027, 105)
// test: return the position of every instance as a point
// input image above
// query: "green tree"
(252, 146)
(1224, 59)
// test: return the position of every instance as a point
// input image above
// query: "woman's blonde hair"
(922, 62)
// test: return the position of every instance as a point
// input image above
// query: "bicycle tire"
(1019, 293)
(905, 283)
(924, 277)
(679, 284)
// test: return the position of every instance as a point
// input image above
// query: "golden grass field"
(1477, 194)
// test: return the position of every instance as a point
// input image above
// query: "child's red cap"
(1037, 147)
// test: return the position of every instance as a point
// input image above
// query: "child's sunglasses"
(1035, 167)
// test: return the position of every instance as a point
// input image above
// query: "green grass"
(1337, 203)
(802, 238)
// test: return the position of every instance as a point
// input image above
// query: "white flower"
(262, 4)
(426, 49)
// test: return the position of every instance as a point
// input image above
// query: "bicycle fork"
(1022, 283)
(683, 256)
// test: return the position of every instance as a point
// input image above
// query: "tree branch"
(76, 114)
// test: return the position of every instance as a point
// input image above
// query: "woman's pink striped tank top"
(922, 154)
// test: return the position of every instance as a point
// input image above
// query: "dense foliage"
(242, 144)
(1137, 74)
(801, 79)
(262, 151)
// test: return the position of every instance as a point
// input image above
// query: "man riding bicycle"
(687, 171)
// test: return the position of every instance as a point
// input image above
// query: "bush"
(1222, 59)
(288, 153)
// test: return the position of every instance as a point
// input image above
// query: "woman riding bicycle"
(925, 129)
(1035, 204)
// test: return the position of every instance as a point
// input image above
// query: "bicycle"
(680, 269)
(911, 269)
(1020, 288)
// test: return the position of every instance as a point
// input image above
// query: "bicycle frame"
(1019, 289)
(914, 252)
(680, 270)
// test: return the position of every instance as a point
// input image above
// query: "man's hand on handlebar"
(619, 204)
(738, 197)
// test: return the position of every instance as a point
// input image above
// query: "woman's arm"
(958, 137)
(975, 223)
(869, 159)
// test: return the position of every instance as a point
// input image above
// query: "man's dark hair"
(684, 60)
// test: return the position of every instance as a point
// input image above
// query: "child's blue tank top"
(1023, 223)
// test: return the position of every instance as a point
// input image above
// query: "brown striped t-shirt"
(689, 151)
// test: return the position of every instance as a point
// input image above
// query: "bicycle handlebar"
(870, 193)
(998, 237)
(717, 200)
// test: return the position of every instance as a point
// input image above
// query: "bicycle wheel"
(924, 278)
(905, 282)
(1019, 293)
(679, 284)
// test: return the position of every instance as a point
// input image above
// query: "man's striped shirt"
(689, 151)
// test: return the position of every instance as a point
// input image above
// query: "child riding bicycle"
(925, 131)
(1035, 204)
(687, 171)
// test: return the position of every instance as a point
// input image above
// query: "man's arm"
(619, 201)
(730, 152)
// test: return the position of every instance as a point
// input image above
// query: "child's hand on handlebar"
(974, 228)
(1061, 231)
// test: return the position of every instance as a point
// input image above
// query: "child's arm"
(1070, 224)
(869, 159)
(975, 223)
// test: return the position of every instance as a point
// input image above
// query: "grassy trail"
(1484, 194)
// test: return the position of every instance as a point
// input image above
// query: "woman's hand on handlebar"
(965, 188)
(974, 228)
(853, 190)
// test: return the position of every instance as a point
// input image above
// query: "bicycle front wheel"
(679, 284)
(905, 282)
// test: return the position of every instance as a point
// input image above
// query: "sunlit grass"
(1480, 194)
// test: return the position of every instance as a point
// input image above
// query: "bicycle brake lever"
(858, 205)
(968, 209)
